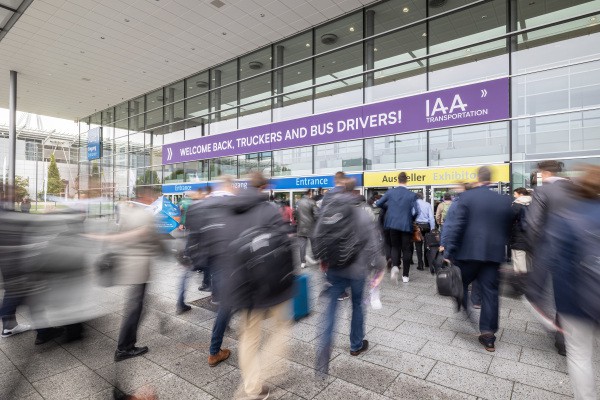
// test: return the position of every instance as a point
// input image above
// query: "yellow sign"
(435, 176)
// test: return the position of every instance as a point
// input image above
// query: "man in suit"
(475, 241)
(400, 206)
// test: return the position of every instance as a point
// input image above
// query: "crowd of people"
(245, 244)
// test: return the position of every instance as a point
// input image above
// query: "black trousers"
(401, 244)
(421, 245)
(131, 319)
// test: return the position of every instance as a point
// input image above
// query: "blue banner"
(94, 145)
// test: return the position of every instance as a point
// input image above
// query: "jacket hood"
(525, 200)
(247, 199)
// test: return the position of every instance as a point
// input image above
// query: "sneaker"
(394, 274)
(20, 328)
(405, 279)
(365, 346)
(222, 355)
(182, 309)
(487, 340)
(310, 260)
(121, 355)
(303, 265)
(343, 296)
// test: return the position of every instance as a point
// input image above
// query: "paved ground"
(420, 349)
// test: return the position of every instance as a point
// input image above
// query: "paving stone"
(305, 332)
(163, 349)
(503, 350)
(173, 387)
(15, 386)
(94, 352)
(5, 364)
(297, 379)
(42, 362)
(352, 369)
(305, 353)
(342, 390)
(522, 314)
(194, 368)
(397, 340)
(426, 332)
(530, 375)
(409, 388)
(514, 324)
(528, 340)
(459, 357)
(444, 311)
(536, 328)
(401, 294)
(132, 374)
(75, 383)
(106, 323)
(458, 326)
(400, 361)
(524, 392)
(469, 381)
(379, 321)
(420, 317)
(436, 300)
(544, 359)
(341, 342)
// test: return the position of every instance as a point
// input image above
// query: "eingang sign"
(471, 104)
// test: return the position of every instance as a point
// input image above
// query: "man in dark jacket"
(400, 206)
(247, 210)
(306, 212)
(475, 241)
(518, 239)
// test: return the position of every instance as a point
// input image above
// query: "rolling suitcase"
(301, 307)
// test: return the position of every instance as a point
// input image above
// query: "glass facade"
(386, 50)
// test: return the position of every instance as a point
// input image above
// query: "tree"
(55, 185)
(21, 187)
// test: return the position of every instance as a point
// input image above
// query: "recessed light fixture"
(299, 72)
(424, 34)
(531, 3)
(593, 19)
(102, 37)
(468, 50)
(193, 48)
(126, 20)
(143, 72)
(82, 52)
(307, 44)
(405, 9)
(65, 64)
(483, 16)
(375, 49)
(262, 15)
(351, 29)
(166, 61)
(224, 33)
(86, 79)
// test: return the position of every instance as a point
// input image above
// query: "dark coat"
(400, 206)
(306, 212)
(518, 237)
(480, 227)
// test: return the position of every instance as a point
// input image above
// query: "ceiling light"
(65, 64)
(262, 15)
(299, 72)
(483, 16)
(593, 19)
(224, 33)
(424, 34)
(49, 74)
(86, 79)
(351, 29)
(81, 51)
(102, 37)
(375, 49)
(468, 50)
(531, 3)
(193, 48)
(307, 44)
(405, 9)
(126, 20)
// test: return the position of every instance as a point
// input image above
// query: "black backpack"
(449, 282)
(264, 262)
(335, 240)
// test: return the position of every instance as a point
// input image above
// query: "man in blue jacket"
(400, 206)
(475, 240)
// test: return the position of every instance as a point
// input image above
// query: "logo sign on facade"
(94, 146)
(470, 104)
(435, 176)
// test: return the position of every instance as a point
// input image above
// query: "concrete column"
(369, 52)
(279, 75)
(217, 95)
(12, 139)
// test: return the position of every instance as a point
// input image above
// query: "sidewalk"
(420, 349)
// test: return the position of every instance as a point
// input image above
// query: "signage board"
(435, 176)
(94, 144)
(470, 104)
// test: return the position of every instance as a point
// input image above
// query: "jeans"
(216, 340)
(580, 340)
(357, 325)
(487, 276)
(207, 276)
(421, 245)
(303, 241)
(475, 293)
(401, 242)
(8, 310)
(182, 286)
(131, 319)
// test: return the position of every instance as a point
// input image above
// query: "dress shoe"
(182, 309)
(20, 328)
(420, 267)
(365, 346)
(487, 340)
(121, 355)
(222, 355)
(48, 335)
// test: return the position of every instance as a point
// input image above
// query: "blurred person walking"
(426, 223)
(475, 241)
(361, 236)
(518, 239)
(442, 210)
(400, 206)
(571, 250)
(307, 212)
(26, 205)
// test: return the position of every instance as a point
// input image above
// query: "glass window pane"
(293, 162)
(439, 6)
(197, 107)
(154, 99)
(136, 110)
(293, 49)
(197, 84)
(534, 13)
(254, 162)
(255, 114)
(485, 143)
(174, 113)
(346, 156)
(335, 67)
(295, 105)
(196, 171)
(399, 151)
(174, 92)
(174, 173)
(392, 14)
(341, 94)
(255, 63)
(121, 115)
(340, 32)
(108, 116)
(223, 166)
(289, 81)
(154, 118)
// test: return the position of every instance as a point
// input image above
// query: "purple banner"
(470, 104)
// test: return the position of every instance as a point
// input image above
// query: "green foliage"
(21, 188)
(149, 177)
(55, 184)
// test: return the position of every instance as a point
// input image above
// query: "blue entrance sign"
(94, 145)
(164, 211)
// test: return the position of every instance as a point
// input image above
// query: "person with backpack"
(426, 224)
(400, 206)
(258, 278)
(347, 242)
(442, 210)
(571, 243)
(518, 240)
(475, 241)
(306, 212)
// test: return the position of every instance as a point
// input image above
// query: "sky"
(48, 123)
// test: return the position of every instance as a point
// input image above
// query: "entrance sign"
(435, 176)
(470, 104)
(94, 145)
(166, 215)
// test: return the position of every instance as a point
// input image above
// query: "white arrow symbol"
(483, 92)
(169, 153)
